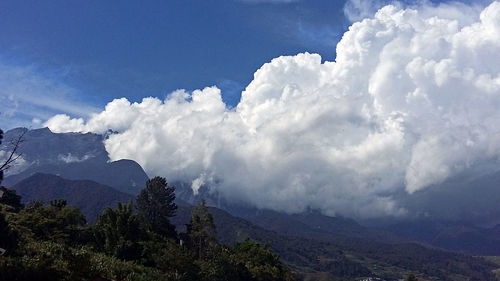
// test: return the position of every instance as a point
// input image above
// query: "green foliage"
(53, 242)
(58, 203)
(244, 261)
(10, 198)
(47, 261)
(201, 229)
(54, 261)
(8, 237)
(261, 262)
(168, 256)
(118, 232)
(411, 277)
(50, 223)
(116, 269)
(218, 264)
(156, 205)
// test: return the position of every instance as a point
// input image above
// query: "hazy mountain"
(73, 156)
(313, 224)
(89, 196)
(453, 236)
(335, 257)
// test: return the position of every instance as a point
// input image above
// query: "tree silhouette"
(156, 205)
(201, 229)
(411, 277)
(118, 232)
(12, 157)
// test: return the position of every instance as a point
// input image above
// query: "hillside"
(334, 257)
(91, 197)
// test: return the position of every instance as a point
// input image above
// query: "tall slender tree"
(201, 229)
(1, 171)
(119, 231)
(156, 205)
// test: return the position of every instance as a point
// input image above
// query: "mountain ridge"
(73, 156)
(91, 197)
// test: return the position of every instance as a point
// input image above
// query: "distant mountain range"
(72, 156)
(76, 167)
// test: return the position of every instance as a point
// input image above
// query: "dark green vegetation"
(54, 242)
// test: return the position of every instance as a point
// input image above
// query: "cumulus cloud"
(411, 100)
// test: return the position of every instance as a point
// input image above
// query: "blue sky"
(100, 50)
(73, 57)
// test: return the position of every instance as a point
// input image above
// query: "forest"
(134, 241)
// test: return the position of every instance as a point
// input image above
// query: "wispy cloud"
(29, 94)
(268, 1)
(320, 36)
(356, 10)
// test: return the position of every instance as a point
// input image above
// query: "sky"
(87, 53)
(352, 108)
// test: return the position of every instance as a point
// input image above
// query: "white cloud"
(411, 100)
(69, 158)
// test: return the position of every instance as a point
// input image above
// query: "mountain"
(336, 257)
(314, 224)
(91, 197)
(73, 156)
(454, 236)
(327, 256)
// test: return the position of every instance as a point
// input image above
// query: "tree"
(12, 157)
(167, 255)
(58, 203)
(156, 205)
(201, 229)
(8, 237)
(411, 277)
(118, 232)
(10, 198)
(51, 223)
(261, 262)
(1, 171)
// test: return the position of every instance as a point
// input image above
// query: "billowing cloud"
(411, 100)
